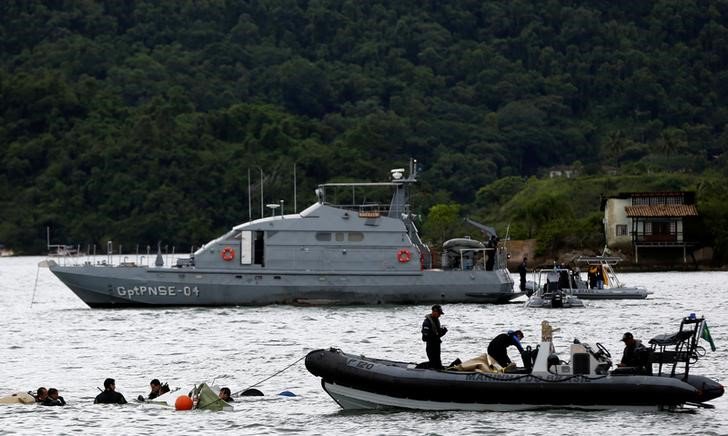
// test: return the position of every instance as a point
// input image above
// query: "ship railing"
(369, 210)
(62, 250)
(128, 260)
(487, 251)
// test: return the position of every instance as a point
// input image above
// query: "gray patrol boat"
(326, 254)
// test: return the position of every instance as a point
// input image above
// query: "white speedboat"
(612, 288)
(552, 289)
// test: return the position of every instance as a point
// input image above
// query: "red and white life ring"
(404, 255)
(227, 254)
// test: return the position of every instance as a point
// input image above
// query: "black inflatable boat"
(585, 382)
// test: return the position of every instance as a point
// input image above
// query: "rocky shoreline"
(517, 249)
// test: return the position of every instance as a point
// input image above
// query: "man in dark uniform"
(492, 246)
(431, 334)
(522, 270)
(498, 347)
(635, 355)
(109, 395)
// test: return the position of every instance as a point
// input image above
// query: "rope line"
(267, 378)
(37, 271)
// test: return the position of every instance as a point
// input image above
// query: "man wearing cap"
(431, 334)
(109, 395)
(498, 347)
(635, 354)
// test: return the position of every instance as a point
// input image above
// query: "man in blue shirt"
(498, 347)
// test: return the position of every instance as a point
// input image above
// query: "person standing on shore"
(431, 334)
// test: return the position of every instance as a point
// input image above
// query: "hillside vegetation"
(138, 121)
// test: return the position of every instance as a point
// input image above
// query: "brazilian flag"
(706, 335)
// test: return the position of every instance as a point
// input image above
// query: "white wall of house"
(614, 215)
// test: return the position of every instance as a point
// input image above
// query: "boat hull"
(357, 382)
(121, 286)
(611, 294)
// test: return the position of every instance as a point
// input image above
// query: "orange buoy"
(183, 402)
(404, 255)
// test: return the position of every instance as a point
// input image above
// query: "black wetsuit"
(163, 389)
(497, 348)
(110, 397)
(51, 402)
(431, 334)
(522, 270)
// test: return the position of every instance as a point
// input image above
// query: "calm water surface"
(59, 342)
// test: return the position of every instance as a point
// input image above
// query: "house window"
(621, 229)
(674, 200)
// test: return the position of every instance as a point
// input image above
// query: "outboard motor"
(529, 358)
(553, 360)
(557, 300)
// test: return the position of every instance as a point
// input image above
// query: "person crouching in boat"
(635, 355)
(53, 399)
(498, 347)
(431, 334)
(109, 395)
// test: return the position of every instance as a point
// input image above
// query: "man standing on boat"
(522, 270)
(431, 334)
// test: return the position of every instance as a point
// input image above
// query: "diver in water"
(109, 395)
(53, 399)
(224, 395)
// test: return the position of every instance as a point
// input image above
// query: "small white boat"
(551, 289)
(612, 288)
(597, 267)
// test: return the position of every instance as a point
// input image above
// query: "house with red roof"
(653, 224)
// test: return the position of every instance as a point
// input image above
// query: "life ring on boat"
(227, 254)
(404, 255)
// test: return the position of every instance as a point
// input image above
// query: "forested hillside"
(137, 121)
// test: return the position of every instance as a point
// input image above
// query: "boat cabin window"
(259, 248)
(339, 236)
(323, 236)
(356, 236)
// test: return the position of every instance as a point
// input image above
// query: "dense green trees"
(138, 120)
